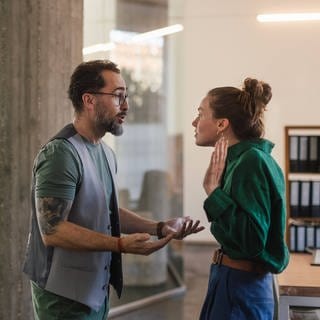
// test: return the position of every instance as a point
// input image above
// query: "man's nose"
(125, 106)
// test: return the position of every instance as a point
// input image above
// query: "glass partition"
(149, 152)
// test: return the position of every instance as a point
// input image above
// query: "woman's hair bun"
(258, 90)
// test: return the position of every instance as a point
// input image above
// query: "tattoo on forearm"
(50, 211)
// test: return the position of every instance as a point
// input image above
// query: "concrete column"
(40, 44)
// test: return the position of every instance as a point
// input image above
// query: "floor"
(184, 306)
(187, 305)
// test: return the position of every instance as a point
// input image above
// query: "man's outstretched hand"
(140, 243)
(181, 227)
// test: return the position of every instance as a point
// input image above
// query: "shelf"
(303, 196)
(303, 176)
(312, 131)
(304, 220)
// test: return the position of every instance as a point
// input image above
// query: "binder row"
(304, 153)
(304, 199)
(304, 236)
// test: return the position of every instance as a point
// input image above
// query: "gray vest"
(82, 276)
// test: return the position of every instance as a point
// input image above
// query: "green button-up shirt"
(248, 212)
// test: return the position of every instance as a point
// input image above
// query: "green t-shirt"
(58, 170)
(248, 211)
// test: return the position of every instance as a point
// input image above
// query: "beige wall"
(222, 44)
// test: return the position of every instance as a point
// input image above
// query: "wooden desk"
(299, 284)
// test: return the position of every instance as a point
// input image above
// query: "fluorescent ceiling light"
(282, 17)
(100, 47)
(157, 33)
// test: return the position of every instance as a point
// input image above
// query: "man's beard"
(103, 124)
(115, 128)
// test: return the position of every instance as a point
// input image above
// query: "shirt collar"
(237, 149)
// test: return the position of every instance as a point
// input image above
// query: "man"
(74, 247)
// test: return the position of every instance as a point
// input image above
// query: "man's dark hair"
(86, 78)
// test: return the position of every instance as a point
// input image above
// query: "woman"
(245, 204)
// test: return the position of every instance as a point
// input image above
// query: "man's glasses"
(121, 97)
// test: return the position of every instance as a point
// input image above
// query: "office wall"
(222, 44)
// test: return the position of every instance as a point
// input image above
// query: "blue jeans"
(238, 295)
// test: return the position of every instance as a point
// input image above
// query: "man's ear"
(88, 100)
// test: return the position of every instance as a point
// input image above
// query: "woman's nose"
(194, 122)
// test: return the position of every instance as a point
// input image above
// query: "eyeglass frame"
(119, 96)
